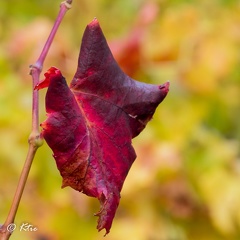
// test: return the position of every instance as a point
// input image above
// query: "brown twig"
(35, 140)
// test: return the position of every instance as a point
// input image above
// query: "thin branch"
(35, 140)
(63, 9)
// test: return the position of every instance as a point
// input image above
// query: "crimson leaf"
(90, 125)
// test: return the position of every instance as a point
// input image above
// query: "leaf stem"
(35, 140)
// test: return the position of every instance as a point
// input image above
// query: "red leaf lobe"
(50, 73)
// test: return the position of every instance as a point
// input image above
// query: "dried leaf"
(90, 125)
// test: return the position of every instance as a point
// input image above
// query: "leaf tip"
(52, 71)
(64, 184)
(165, 87)
(94, 23)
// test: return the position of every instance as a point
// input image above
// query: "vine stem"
(35, 140)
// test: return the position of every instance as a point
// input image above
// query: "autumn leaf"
(90, 125)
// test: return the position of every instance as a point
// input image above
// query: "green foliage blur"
(185, 182)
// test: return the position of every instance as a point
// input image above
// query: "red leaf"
(90, 125)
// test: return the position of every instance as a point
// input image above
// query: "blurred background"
(185, 182)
